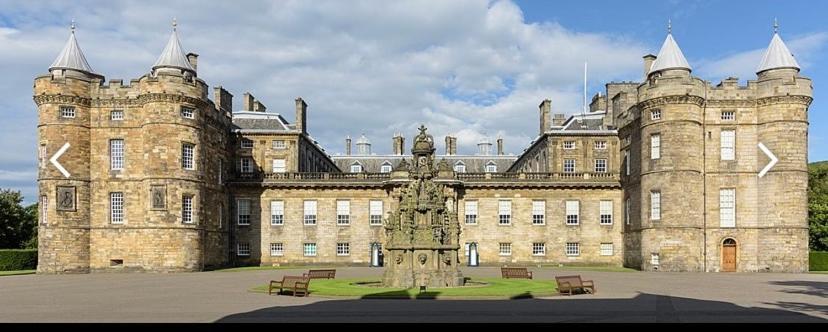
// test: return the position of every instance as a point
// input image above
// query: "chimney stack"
(451, 145)
(398, 144)
(500, 146)
(192, 58)
(558, 119)
(259, 107)
(648, 63)
(302, 118)
(545, 107)
(223, 99)
(348, 145)
(247, 101)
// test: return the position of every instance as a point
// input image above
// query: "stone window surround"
(727, 153)
(577, 214)
(373, 217)
(573, 249)
(655, 204)
(504, 249)
(309, 249)
(607, 249)
(277, 249)
(242, 249)
(470, 217)
(655, 146)
(187, 112)
(184, 208)
(117, 153)
(538, 212)
(116, 115)
(244, 219)
(343, 212)
(605, 218)
(569, 145)
(278, 144)
(188, 153)
(504, 217)
(343, 249)
(66, 112)
(601, 165)
(309, 219)
(600, 145)
(277, 219)
(538, 249)
(117, 216)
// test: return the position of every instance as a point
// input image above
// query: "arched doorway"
(729, 255)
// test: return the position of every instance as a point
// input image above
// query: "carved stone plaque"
(66, 199)
(158, 197)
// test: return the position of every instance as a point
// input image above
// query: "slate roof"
(71, 57)
(777, 56)
(474, 164)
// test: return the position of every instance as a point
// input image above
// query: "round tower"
(671, 164)
(63, 103)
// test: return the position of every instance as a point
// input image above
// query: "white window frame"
(116, 115)
(116, 208)
(727, 142)
(504, 249)
(187, 112)
(188, 156)
(600, 165)
(343, 249)
(538, 249)
(538, 212)
(243, 211)
(309, 249)
(491, 167)
(470, 212)
(375, 208)
(727, 207)
(343, 212)
(220, 170)
(116, 154)
(385, 168)
(655, 114)
(627, 211)
(569, 166)
(627, 161)
(655, 205)
(246, 143)
(278, 144)
(309, 208)
(277, 213)
(654, 259)
(187, 207)
(573, 249)
(246, 165)
(655, 146)
(67, 112)
(356, 168)
(607, 249)
(277, 249)
(573, 213)
(600, 145)
(44, 209)
(459, 167)
(279, 166)
(728, 115)
(243, 249)
(42, 155)
(605, 212)
(504, 212)
(569, 145)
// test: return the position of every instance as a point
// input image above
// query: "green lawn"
(17, 272)
(494, 287)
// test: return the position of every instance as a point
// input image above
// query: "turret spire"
(71, 57)
(777, 56)
(670, 55)
(173, 55)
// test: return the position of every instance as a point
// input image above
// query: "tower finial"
(72, 27)
(175, 24)
(669, 26)
(775, 25)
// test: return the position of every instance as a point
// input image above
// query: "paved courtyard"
(225, 297)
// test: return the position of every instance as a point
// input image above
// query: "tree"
(818, 206)
(18, 224)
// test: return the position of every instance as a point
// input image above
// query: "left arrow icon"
(57, 155)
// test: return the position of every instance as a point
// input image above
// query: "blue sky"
(470, 68)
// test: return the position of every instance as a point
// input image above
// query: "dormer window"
(491, 167)
(356, 168)
(460, 167)
(386, 167)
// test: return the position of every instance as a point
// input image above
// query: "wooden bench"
(570, 284)
(297, 285)
(515, 272)
(320, 274)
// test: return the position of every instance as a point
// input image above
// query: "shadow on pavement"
(583, 308)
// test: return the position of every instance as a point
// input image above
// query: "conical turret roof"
(173, 55)
(777, 56)
(71, 57)
(670, 56)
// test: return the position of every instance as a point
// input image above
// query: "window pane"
(655, 205)
(116, 154)
(277, 212)
(116, 207)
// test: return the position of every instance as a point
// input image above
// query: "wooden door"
(729, 257)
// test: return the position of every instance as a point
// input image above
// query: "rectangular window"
(44, 209)
(538, 212)
(243, 216)
(606, 249)
(278, 144)
(243, 249)
(728, 115)
(220, 170)
(569, 166)
(573, 249)
(460, 168)
(187, 155)
(343, 212)
(246, 143)
(310, 213)
(727, 207)
(728, 145)
(627, 162)
(572, 212)
(471, 212)
(600, 145)
(505, 249)
(655, 146)
(309, 249)
(504, 212)
(375, 212)
(654, 259)
(385, 169)
(655, 205)
(187, 112)
(343, 249)
(116, 115)
(600, 165)
(655, 114)
(246, 165)
(538, 249)
(116, 208)
(277, 249)
(627, 211)
(606, 212)
(356, 168)
(187, 209)
(569, 145)
(491, 168)
(116, 154)
(67, 112)
(42, 155)
(277, 213)
(278, 165)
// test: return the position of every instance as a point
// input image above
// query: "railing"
(474, 177)
(599, 177)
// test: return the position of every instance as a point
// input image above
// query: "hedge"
(18, 259)
(819, 260)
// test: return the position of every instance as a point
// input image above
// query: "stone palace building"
(671, 174)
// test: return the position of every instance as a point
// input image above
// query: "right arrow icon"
(773, 159)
